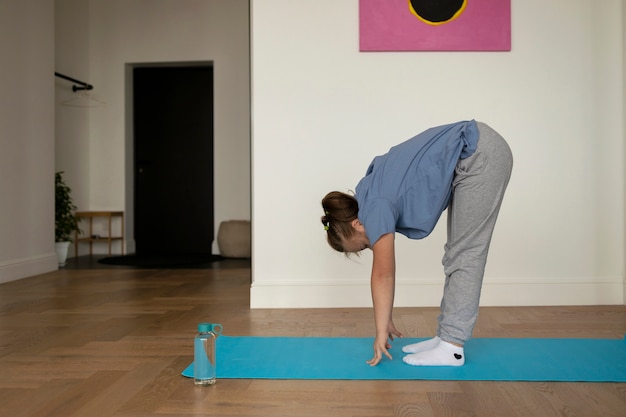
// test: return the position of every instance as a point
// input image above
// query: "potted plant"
(65, 221)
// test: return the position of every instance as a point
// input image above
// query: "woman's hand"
(382, 344)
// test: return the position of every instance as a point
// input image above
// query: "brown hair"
(339, 211)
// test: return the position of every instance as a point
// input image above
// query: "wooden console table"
(91, 237)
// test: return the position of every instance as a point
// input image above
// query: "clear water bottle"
(204, 353)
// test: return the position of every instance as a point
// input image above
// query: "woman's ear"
(357, 225)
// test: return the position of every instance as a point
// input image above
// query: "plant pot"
(62, 248)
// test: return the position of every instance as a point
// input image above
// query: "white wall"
(624, 127)
(121, 32)
(322, 110)
(26, 139)
(72, 110)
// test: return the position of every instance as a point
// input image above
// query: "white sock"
(422, 346)
(444, 354)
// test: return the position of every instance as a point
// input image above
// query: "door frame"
(129, 153)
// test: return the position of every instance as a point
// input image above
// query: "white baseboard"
(519, 292)
(15, 269)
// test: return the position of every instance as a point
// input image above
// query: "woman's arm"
(383, 289)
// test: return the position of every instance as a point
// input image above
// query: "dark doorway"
(173, 160)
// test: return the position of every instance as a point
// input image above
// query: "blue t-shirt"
(407, 189)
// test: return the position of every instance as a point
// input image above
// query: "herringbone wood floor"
(113, 341)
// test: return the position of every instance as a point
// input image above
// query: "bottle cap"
(204, 327)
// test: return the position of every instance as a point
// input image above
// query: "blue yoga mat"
(487, 359)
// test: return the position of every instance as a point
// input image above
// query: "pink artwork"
(435, 25)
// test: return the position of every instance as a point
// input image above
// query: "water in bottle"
(204, 371)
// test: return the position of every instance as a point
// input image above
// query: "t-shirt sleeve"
(379, 217)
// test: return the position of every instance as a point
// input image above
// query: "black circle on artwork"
(436, 11)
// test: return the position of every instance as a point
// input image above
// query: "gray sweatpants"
(478, 189)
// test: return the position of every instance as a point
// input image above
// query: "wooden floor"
(113, 341)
